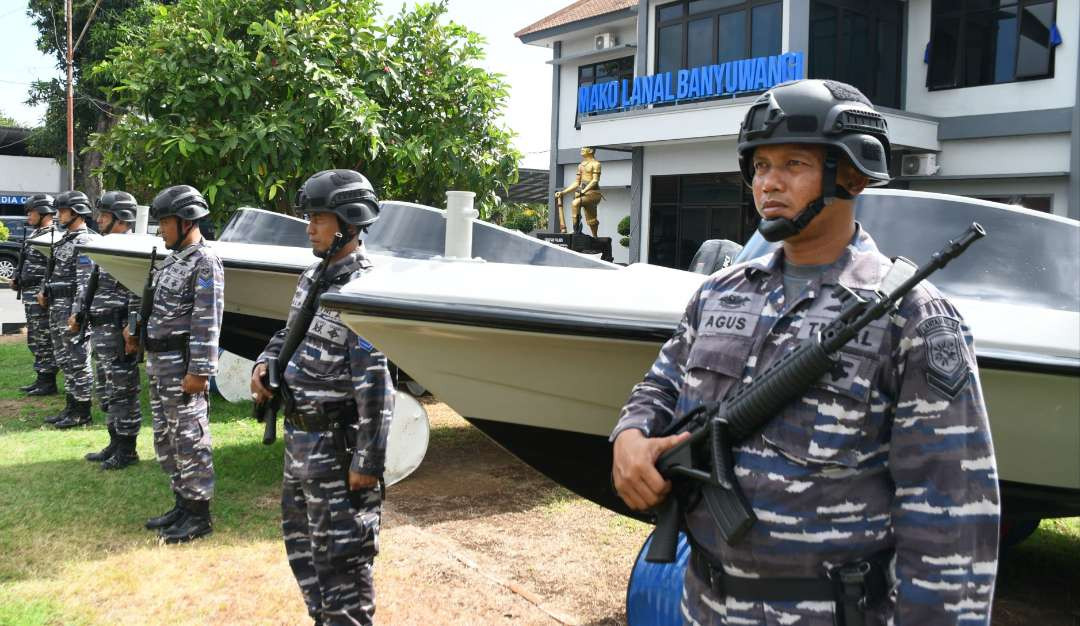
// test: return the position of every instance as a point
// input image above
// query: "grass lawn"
(67, 527)
(74, 550)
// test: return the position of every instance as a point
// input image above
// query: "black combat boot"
(79, 415)
(124, 454)
(194, 523)
(63, 414)
(166, 519)
(37, 381)
(106, 452)
(45, 385)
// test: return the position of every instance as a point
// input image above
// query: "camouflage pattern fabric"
(182, 437)
(331, 534)
(189, 294)
(38, 335)
(71, 350)
(117, 373)
(891, 451)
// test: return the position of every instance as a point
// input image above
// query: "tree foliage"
(247, 98)
(91, 111)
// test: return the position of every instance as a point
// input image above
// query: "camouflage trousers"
(117, 379)
(182, 437)
(72, 351)
(331, 538)
(38, 335)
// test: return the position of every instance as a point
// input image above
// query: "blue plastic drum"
(655, 589)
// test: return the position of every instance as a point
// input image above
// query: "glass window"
(732, 36)
(693, 33)
(699, 43)
(604, 71)
(858, 42)
(1033, 58)
(984, 42)
(687, 210)
(765, 38)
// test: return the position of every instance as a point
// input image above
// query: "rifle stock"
(137, 321)
(19, 269)
(719, 427)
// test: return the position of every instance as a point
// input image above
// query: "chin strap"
(780, 228)
(337, 244)
(182, 234)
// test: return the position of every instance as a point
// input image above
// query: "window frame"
(1017, 199)
(959, 51)
(746, 5)
(596, 64)
(877, 14)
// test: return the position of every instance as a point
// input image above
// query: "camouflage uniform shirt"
(34, 265)
(890, 451)
(333, 364)
(71, 268)
(189, 298)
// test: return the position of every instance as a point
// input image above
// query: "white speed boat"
(542, 358)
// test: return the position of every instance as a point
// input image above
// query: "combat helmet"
(120, 203)
(183, 201)
(819, 112)
(76, 201)
(40, 203)
(345, 193)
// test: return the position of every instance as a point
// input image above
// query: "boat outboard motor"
(714, 255)
(820, 112)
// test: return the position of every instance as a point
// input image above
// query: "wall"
(30, 174)
(1026, 154)
(1051, 93)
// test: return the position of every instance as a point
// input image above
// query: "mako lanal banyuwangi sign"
(707, 81)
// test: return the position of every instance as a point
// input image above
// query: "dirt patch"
(16, 337)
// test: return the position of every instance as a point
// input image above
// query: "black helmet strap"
(780, 228)
(183, 229)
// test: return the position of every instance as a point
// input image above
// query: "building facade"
(22, 175)
(979, 96)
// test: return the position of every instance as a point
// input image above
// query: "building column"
(1074, 156)
(641, 66)
(555, 177)
(637, 172)
(796, 27)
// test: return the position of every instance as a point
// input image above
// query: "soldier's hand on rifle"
(259, 392)
(359, 481)
(130, 343)
(73, 324)
(634, 468)
(42, 302)
(193, 383)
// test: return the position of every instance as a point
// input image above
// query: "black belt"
(332, 416)
(61, 290)
(115, 316)
(854, 587)
(30, 283)
(166, 344)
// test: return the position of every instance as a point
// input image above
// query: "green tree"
(6, 120)
(92, 113)
(247, 98)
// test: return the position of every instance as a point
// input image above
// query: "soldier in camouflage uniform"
(338, 405)
(118, 371)
(885, 469)
(71, 272)
(39, 215)
(181, 344)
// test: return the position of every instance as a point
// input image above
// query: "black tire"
(7, 266)
(1015, 530)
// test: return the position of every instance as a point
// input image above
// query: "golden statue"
(586, 188)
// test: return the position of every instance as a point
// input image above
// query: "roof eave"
(547, 35)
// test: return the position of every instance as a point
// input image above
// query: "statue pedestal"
(580, 242)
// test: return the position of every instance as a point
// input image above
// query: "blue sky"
(528, 112)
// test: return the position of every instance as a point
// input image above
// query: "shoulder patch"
(947, 368)
(84, 260)
(364, 345)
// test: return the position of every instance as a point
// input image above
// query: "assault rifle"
(716, 427)
(17, 280)
(266, 412)
(83, 316)
(49, 266)
(137, 319)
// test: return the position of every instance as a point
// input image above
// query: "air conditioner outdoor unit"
(604, 41)
(919, 164)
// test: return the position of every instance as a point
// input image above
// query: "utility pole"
(68, 12)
